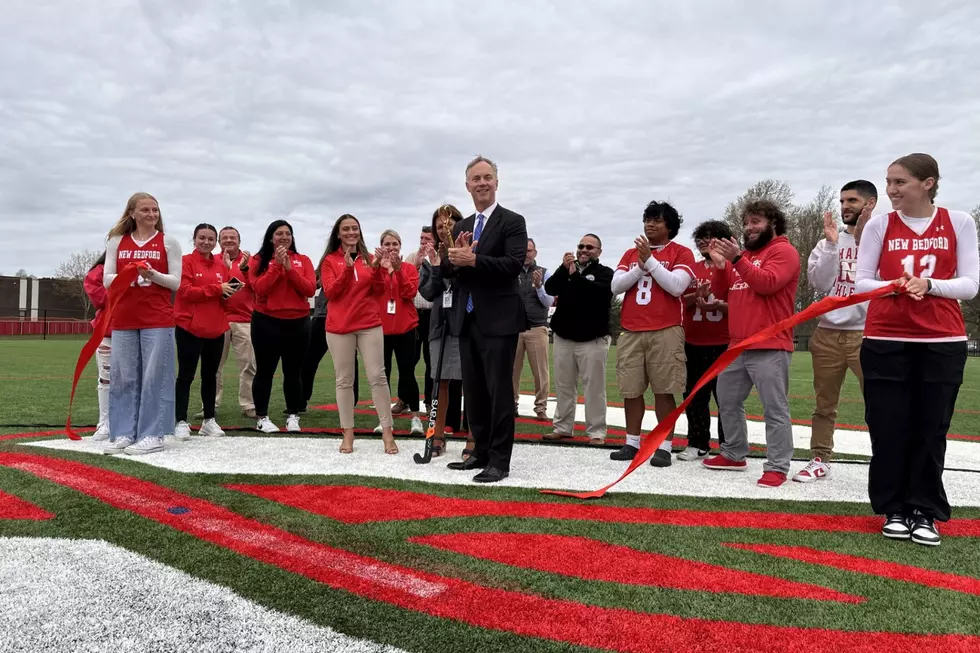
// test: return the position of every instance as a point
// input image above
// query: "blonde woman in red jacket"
(98, 295)
(353, 281)
(399, 319)
(283, 282)
(201, 325)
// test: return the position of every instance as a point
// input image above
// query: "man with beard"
(835, 345)
(650, 351)
(534, 340)
(759, 285)
(581, 287)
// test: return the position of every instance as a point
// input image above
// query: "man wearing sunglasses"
(582, 290)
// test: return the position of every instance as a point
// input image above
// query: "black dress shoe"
(490, 475)
(467, 465)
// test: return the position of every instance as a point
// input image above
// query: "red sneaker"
(724, 464)
(772, 479)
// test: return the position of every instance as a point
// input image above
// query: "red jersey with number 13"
(145, 305)
(704, 327)
(647, 306)
(929, 256)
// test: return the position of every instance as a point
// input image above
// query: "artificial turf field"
(449, 566)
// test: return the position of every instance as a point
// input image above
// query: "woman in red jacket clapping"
(353, 282)
(201, 325)
(399, 319)
(283, 282)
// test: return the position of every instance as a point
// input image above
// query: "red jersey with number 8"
(647, 306)
(145, 305)
(704, 327)
(929, 256)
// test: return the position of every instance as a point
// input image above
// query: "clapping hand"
(830, 227)
(642, 248)
(349, 257)
(282, 257)
(537, 278)
(461, 255)
(394, 262)
(916, 287)
(725, 249)
(431, 254)
(862, 222)
(568, 261)
(246, 257)
(380, 258)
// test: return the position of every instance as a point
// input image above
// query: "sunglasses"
(586, 247)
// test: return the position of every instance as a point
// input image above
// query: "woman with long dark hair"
(914, 349)
(353, 281)
(283, 281)
(96, 291)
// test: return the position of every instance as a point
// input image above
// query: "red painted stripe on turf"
(38, 434)
(508, 611)
(359, 505)
(869, 566)
(12, 507)
(589, 559)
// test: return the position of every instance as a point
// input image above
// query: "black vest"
(537, 313)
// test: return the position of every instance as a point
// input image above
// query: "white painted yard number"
(644, 290)
(927, 264)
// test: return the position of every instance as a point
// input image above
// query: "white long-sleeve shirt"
(175, 262)
(831, 270)
(674, 282)
(962, 287)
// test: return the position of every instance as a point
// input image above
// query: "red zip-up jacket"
(198, 307)
(97, 292)
(760, 290)
(400, 289)
(238, 307)
(283, 293)
(352, 293)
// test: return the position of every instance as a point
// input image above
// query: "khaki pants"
(370, 344)
(535, 343)
(586, 361)
(833, 351)
(239, 338)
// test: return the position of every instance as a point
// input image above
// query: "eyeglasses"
(586, 247)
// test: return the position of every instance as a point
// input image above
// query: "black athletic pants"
(699, 359)
(190, 349)
(403, 347)
(910, 391)
(422, 350)
(274, 339)
(315, 350)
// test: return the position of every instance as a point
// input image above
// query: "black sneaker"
(626, 452)
(924, 530)
(896, 527)
(660, 458)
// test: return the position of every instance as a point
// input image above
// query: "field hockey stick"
(430, 432)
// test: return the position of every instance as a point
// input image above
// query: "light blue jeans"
(141, 383)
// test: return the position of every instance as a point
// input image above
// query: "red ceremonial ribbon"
(119, 286)
(664, 428)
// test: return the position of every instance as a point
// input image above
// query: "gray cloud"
(238, 113)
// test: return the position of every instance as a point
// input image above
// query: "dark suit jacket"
(497, 304)
(432, 285)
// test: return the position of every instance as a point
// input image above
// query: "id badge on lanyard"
(447, 299)
(391, 307)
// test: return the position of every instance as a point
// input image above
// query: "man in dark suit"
(489, 252)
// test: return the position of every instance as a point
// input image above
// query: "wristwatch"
(735, 260)
(928, 285)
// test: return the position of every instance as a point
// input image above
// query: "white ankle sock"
(633, 441)
(666, 445)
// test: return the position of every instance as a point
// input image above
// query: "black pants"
(699, 359)
(422, 350)
(488, 368)
(274, 339)
(315, 350)
(910, 391)
(403, 347)
(190, 349)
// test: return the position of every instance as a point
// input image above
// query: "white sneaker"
(265, 425)
(101, 433)
(816, 470)
(118, 446)
(692, 453)
(292, 424)
(417, 426)
(210, 428)
(146, 445)
(379, 429)
(182, 431)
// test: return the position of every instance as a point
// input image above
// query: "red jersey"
(352, 293)
(198, 309)
(145, 305)
(929, 256)
(760, 290)
(239, 307)
(704, 327)
(397, 305)
(283, 293)
(647, 306)
(96, 292)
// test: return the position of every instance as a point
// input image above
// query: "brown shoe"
(553, 437)
(541, 416)
(399, 407)
(249, 412)
(597, 442)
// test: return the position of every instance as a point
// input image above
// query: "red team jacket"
(199, 308)
(647, 306)
(239, 307)
(147, 304)
(760, 290)
(352, 293)
(399, 296)
(704, 327)
(96, 291)
(282, 293)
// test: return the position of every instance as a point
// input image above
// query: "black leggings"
(314, 354)
(699, 359)
(403, 346)
(422, 350)
(190, 349)
(274, 339)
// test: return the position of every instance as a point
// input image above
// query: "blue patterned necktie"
(476, 236)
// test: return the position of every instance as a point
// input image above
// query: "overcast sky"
(243, 112)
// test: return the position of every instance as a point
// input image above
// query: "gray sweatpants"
(768, 371)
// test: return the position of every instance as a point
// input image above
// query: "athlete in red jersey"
(914, 348)
(141, 376)
(650, 351)
(706, 338)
